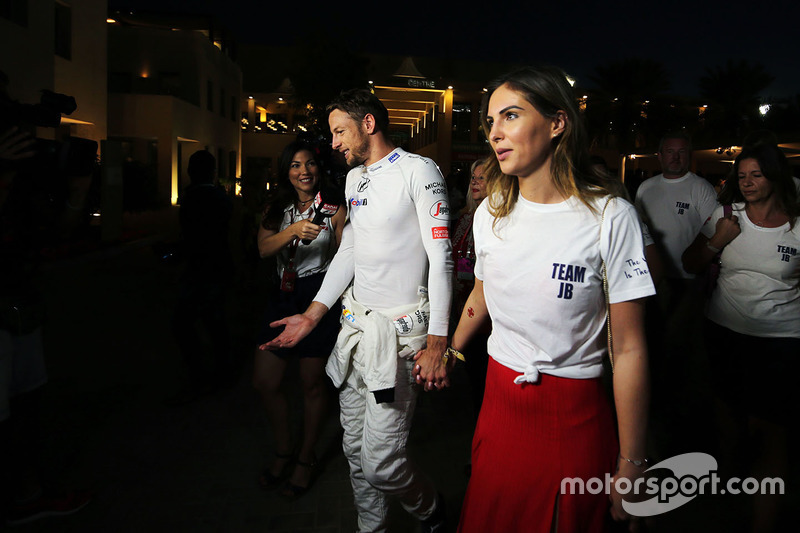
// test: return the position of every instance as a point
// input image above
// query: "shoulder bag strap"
(605, 291)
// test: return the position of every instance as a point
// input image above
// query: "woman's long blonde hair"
(546, 89)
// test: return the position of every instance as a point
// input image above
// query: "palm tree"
(732, 93)
(626, 112)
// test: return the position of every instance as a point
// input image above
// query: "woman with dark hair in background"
(753, 326)
(542, 239)
(301, 268)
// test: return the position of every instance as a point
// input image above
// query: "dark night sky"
(686, 36)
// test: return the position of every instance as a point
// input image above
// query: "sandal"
(291, 491)
(267, 480)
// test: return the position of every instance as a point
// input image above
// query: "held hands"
(727, 230)
(305, 229)
(431, 369)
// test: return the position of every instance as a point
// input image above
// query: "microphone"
(324, 206)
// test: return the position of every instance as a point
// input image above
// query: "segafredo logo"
(440, 211)
(672, 483)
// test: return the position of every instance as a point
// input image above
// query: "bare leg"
(267, 377)
(312, 372)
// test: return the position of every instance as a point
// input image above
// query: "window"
(210, 99)
(222, 101)
(221, 165)
(276, 123)
(462, 121)
(63, 29)
(232, 163)
(234, 108)
(15, 10)
(169, 83)
(119, 82)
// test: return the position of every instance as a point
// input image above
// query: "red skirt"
(529, 437)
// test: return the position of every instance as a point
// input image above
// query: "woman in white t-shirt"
(753, 326)
(541, 240)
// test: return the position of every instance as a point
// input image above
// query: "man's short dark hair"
(359, 103)
(676, 135)
(201, 167)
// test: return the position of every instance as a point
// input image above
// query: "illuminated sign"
(421, 84)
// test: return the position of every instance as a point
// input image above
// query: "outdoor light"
(763, 109)
(450, 87)
(571, 81)
(111, 21)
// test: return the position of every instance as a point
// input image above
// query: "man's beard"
(358, 155)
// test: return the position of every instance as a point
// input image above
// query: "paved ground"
(112, 361)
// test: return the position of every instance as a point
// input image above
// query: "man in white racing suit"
(396, 252)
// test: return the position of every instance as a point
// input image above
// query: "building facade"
(174, 88)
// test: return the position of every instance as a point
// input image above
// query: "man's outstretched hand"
(297, 327)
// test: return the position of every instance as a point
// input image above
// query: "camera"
(74, 156)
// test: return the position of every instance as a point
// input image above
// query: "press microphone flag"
(325, 205)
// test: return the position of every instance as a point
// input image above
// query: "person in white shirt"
(396, 252)
(675, 203)
(753, 326)
(543, 238)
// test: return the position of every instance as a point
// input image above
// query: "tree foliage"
(733, 95)
(627, 112)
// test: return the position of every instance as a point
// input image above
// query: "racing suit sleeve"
(429, 192)
(340, 272)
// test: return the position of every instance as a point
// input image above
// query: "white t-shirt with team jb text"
(757, 292)
(541, 268)
(675, 210)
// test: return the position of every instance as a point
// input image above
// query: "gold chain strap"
(605, 290)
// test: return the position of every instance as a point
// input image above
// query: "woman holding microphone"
(285, 231)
